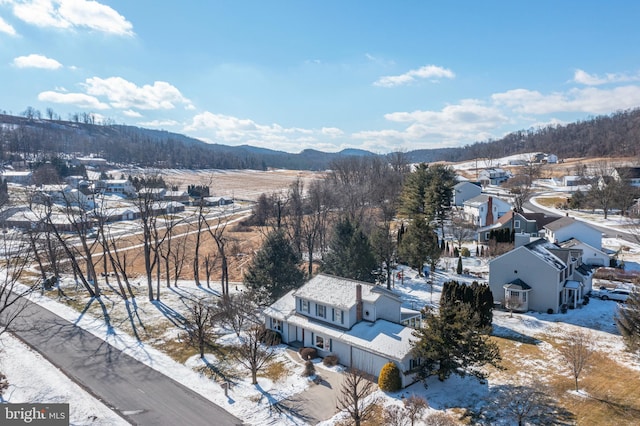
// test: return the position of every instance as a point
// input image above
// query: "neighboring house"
(493, 176)
(19, 178)
(566, 228)
(152, 193)
(63, 195)
(573, 180)
(464, 191)
(551, 159)
(590, 255)
(485, 209)
(217, 201)
(540, 276)
(361, 323)
(116, 186)
(630, 175)
(179, 196)
(89, 161)
(39, 218)
(518, 223)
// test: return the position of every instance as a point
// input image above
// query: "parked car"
(619, 294)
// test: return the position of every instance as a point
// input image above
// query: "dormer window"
(321, 311)
(338, 316)
(304, 305)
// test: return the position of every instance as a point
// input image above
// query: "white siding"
(367, 362)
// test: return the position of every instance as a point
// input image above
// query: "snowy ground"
(33, 380)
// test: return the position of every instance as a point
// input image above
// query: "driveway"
(318, 402)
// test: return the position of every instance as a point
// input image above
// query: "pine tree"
(451, 343)
(419, 245)
(459, 268)
(275, 269)
(350, 254)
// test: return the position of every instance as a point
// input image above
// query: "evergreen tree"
(628, 321)
(275, 269)
(419, 244)
(459, 267)
(452, 343)
(350, 254)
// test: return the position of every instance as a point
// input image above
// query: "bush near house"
(271, 338)
(389, 379)
(330, 360)
(309, 369)
(308, 353)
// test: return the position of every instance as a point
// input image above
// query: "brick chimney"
(489, 212)
(358, 302)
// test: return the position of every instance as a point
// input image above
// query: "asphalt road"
(141, 395)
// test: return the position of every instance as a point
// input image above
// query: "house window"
(413, 363)
(321, 311)
(338, 316)
(516, 224)
(304, 305)
(515, 294)
(524, 297)
(276, 324)
(321, 343)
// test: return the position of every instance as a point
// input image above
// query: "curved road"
(138, 393)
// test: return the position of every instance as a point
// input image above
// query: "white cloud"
(131, 113)
(80, 100)
(69, 14)
(233, 130)
(36, 61)
(589, 100)
(425, 72)
(469, 121)
(332, 132)
(159, 123)
(6, 28)
(124, 94)
(585, 78)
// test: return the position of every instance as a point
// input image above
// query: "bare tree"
(16, 256)
(251, 353)
(199, 324)
(461, 229)
(577, 352)
(354, 392)
(528, 404)
(217, 232)
(236, 310)
(415, 406)
(394, 415)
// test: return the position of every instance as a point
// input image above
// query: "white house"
(493, 176)
(551, 158)
(484, 209)
(631, 175)
(590, 255)
(19, 177)
(463, 191)
(566, 228)
(364, 325)
(540, 276)
(115, 186)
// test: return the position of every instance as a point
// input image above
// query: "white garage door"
(367, 362)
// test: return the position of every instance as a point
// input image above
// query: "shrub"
(309, 369)
(271, 338)
(308, 353)
(464, 252)
(389, 379)
(330, 360)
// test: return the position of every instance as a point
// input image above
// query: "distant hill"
(612, 135)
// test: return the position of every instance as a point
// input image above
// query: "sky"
(291, 75)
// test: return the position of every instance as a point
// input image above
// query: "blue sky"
(328, 75)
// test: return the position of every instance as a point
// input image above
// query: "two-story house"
(540, 276)
(363, 324)
(494, 176)
(116, 186)
(517, 223)
(484, 209)
(566, 228)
